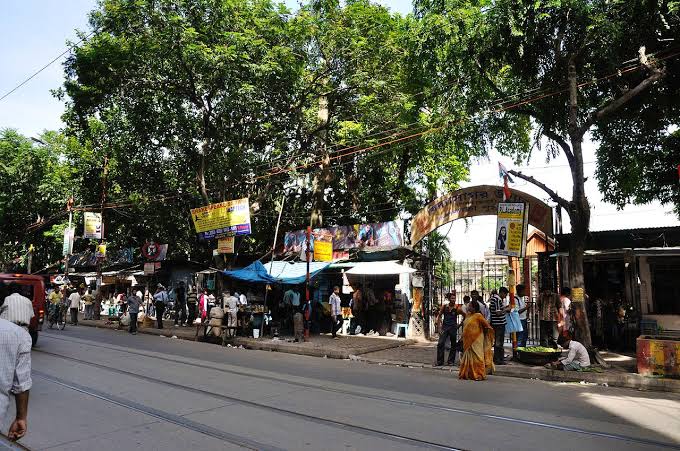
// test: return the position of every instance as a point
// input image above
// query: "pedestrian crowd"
(485, 325)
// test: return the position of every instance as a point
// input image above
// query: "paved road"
(105, 390)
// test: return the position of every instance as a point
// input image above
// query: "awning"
(379, 269)
(277, 272)
(255, 272)
(294, 273)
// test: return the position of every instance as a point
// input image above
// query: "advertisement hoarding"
(511, 229)
(222, 219)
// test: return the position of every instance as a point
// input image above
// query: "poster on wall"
(93, 225)
(323, 251)
(511, 229)
(344, 238)
(226, 245)
(222, 219)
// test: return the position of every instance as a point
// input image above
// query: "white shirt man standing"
(15, 375)
(336, 311)
(16, 308)
(74, 300)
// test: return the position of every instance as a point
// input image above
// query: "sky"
(33, 32)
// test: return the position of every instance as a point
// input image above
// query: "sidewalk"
(620, 374)
(318, 346)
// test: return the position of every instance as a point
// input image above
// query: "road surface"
(107, 390)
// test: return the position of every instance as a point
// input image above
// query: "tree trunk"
(200, 173)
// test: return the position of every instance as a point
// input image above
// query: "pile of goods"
(537, 355)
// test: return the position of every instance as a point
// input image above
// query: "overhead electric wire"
(57, 58)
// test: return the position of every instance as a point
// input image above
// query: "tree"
(35, 183)
(586, 63)
(198, 101)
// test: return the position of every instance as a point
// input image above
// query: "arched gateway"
(476, 201)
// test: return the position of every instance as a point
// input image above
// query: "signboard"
(149, 269)
(154, 251)
(226, 245)
(93, 225)
(389, 233)
(101, 251)
(69, 235)
(476, 201)
(323, 251)
(511, 229)
(224, 219)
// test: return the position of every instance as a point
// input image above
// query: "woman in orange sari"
(478, 335)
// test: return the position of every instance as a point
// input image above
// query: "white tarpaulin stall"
(386, 268)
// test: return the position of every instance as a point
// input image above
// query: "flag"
(503, 172)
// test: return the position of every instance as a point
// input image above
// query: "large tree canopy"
(200, 101)
(556, 71)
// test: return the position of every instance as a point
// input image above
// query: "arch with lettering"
(478, 200)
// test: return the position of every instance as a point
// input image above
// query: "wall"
(645, 275)
(668, 322)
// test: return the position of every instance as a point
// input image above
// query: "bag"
(513, 323)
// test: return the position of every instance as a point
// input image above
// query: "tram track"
(241, 441)
(427, 406)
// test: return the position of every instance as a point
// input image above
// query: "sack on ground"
(216, 312)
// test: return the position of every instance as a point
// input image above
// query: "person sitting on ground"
(577, 358)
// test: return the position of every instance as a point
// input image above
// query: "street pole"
(309, 306)
(69, 206)
(30, 258)
(271, 262)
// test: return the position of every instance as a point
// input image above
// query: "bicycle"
(58, 316)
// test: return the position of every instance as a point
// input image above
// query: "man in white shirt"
(336, 311)
(565, 323)
(576, 359)
(74, 300)
(231, 307)
(15, 375)
(242, 299)
(16, 308)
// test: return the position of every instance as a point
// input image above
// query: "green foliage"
(35, 183)
(200, 99)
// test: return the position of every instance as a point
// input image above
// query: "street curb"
(623, 380)
(272, 346)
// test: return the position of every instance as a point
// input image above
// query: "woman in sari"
(478, 336)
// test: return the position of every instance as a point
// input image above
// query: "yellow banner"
(323, 251)
(511, 229)
(222, 219)
(93, 225)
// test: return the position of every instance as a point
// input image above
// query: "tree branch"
(616, 104)
(553, 195)
(548, 133)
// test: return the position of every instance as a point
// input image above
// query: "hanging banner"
(511, 229)
(226, 245)
(69, 235)
(476, 201)
(100, 253)
(93, 225)
(224, 219)
(389, 233)
(323, 251)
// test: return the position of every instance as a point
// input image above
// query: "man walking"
(180, 305)
(15, 375)
(160, 301)
(448, 331)
(336, 311)
(133, 302)
(498, 309)
(74, 300)
(16, 308)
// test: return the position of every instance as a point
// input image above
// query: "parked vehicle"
(33, 288)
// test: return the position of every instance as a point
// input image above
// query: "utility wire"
(11, 91)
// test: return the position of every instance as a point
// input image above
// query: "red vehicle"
(33, 288)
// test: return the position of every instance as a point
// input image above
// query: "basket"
(537, 358)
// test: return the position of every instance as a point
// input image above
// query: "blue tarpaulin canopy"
(277, 272)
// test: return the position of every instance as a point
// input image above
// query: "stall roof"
(294, 273)
(277, 272)
(379, 269)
